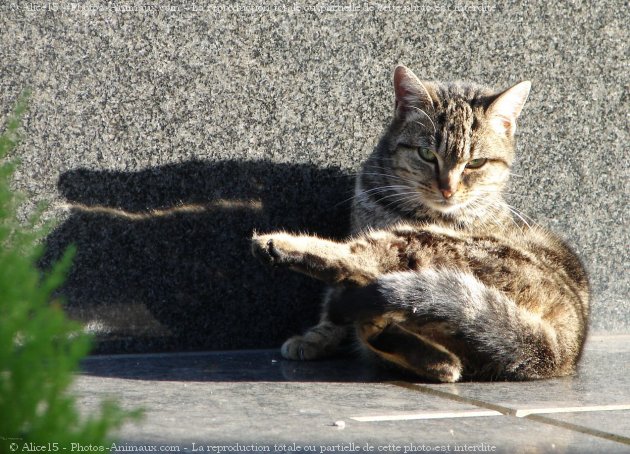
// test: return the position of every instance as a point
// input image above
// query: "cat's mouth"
(447, 206)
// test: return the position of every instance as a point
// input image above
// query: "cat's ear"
(506, 108)
(410, 92)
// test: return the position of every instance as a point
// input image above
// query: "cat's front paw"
(263, 249)
(273, 250)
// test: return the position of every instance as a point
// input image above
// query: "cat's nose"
(447, 193)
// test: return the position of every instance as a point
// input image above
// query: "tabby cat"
(439, 278)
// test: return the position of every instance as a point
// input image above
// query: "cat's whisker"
(509, 216)
(492, 210)
(387, 175)
(373, 191)
(394, 177)
(516, 211)
(410, 205)
(520, 213)
(494, 193)
(398, 194)
(398, 180)
(517, 214)
(404, 198)
(383, 188)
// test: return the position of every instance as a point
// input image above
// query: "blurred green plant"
(40, 348)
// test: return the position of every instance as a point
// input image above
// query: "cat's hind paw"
(298, 348)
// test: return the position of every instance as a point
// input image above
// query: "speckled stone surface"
(163, 136)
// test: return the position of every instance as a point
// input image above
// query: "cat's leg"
(319, 341)
(356, 262)
(518, 344)
(385, 337)
(410, 351)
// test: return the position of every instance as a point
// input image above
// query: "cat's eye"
(476, 163)
(427, 154)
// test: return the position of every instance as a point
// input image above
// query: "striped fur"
(439, 278)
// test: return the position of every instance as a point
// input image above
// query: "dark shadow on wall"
(164, 260)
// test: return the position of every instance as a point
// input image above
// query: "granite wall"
(163, 135)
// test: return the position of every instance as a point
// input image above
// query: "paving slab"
(614, 422)
(247, 401)
(235, 416)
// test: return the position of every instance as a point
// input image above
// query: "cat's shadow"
(239, 366)
(163, 255)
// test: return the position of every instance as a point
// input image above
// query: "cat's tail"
(519, 343)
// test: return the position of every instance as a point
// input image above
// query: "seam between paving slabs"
(511, 412)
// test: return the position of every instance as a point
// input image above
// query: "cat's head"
(451, 143)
